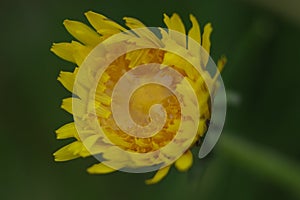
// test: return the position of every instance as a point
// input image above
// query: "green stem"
(261, 160)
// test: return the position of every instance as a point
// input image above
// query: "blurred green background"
(258, 155)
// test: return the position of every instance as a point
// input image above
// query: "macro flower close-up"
(143, 98)
(165, 100)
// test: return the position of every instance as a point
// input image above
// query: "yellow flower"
(141, 100)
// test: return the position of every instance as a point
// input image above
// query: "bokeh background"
(258, 155)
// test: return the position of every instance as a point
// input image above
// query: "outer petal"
(135, 23)
(138, 57)
(80, 52)
(102, 24)
(66, 131)
(184, 162)
(160, 174)
(67, 79)
(195, 34)
(71, 151)
(73, 52)
(100, 169)
(175, 23)
(82, 32)
(64, 50)
(67, 104)
(221, 63)
(206, 42)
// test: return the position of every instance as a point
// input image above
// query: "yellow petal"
(80, 108)
(67, 79)
(80, 52)
(102, 111)
(63, 50)
(173, 59)
(133, 23)
(100, 169)
(67, 104)
(164, 34)
(68, 152)
(102, 24)
(206, 42)
(145, 33)
(221, 63)
(73, 52)
(138, 57)
(91, 140)
(66, 131)
(184, 162)
(201, 128)
(195, 34)
(103, 98)
(82, 32)
(160, 174)
(175, 23)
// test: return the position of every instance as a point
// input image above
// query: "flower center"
(140, 103)
(142, 100)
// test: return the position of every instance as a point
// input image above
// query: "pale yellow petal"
(206, 43)
(64, 50)
(175, 23)
(67, 79)
(66, 131)
(82, 32)
(184, 162)
(160, 174)
(100, 169)
(102, 24)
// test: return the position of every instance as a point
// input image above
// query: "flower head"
(95, 98)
